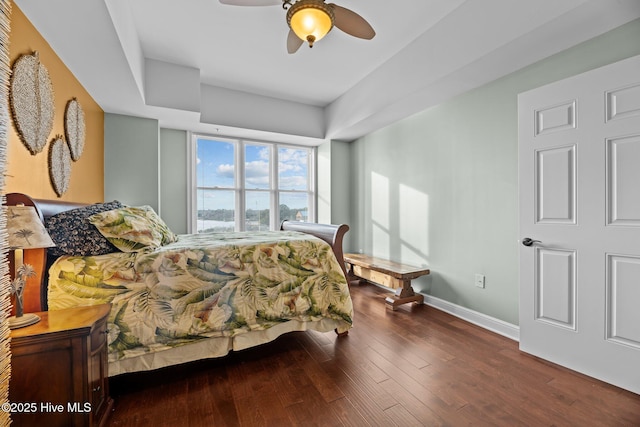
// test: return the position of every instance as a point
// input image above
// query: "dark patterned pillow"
(73, 234)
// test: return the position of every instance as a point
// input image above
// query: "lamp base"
(22, 321)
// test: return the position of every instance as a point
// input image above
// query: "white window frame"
(239, 169)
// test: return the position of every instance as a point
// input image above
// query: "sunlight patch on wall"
(380, 215)
(414, 225)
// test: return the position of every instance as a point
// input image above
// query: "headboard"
(332, 234)
(35, 293)
(49, 208)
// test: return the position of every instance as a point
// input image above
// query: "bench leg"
(404, 295)
(352, 279)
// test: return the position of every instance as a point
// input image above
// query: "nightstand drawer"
(98, 377)
(59, 367)
(98, 335)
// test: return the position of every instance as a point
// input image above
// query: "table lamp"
(26, 231)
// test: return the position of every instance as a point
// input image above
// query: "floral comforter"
(204, 285)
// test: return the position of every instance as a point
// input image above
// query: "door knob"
(527, 241)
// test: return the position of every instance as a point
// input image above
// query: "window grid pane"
(216, 211)
(251, 186)
(293, 169)
(257, 169)
(215, 164)
(294, 206)
(257, 212)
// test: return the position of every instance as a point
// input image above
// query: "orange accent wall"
(29, 174)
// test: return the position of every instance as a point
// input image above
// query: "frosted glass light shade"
(310, 20)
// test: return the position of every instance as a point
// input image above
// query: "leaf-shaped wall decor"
(74, 128)
(59, 165)
(31, 99)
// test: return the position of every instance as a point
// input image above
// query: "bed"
(180, 298)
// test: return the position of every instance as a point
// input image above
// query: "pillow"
(132, 229)
(73, 234)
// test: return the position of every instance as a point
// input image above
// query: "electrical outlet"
(480, 280)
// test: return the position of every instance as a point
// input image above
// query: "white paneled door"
(579, 172)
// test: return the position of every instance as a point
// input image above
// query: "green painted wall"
(147, 165)
(334, 192)
(173, 179)
(441, 188)
(131, 160)
(340, 191)
(323, 182)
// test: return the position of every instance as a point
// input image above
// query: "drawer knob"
(97, 389)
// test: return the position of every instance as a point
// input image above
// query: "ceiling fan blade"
(352, 23)
(251, 2)
(293, 42)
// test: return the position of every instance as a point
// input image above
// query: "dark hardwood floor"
(412, 367)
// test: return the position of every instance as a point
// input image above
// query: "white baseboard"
(487, 322)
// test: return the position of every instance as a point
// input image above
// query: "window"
(250, 185)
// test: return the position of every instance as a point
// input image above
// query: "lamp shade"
(25, 229)
(310, 20)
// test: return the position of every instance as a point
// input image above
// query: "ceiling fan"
(311, 20)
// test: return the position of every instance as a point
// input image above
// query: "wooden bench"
(387, 273)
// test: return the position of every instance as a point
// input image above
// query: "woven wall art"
(59, 165)
(74, 128)
(31, 99)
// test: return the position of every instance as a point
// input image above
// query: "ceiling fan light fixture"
(310, 20)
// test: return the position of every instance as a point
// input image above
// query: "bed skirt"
(218, 347)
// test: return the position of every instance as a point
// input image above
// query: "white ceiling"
(204, 66)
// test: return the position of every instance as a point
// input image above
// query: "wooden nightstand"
(59, 373)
